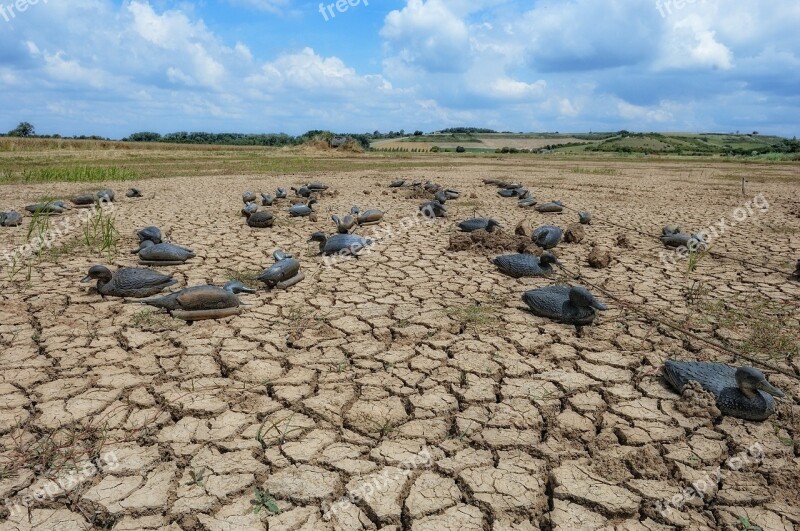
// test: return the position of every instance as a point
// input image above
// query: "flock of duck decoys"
(742, 392)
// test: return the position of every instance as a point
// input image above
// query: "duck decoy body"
(370, 217)
(527, 202)
(260, 220)
(441, 196)
(10, 219)
(280, 193)
(150, 233)
(249, 209)
(741, 392)
(551, 207)
(83, 200)
(284, 273)
(692, 241)
(397, 183)
(303, 191)
(133, 192)
(471, 225)
(431, 187)
(525, 265)
(162, 253)
(585, 218)
(340, 243)
(452, 194)
(668, 230)
(566, 304)
(547, 236)
(266, 199)
(344, 225)
(128, 281)
(202, 302)
(52, 207)
(509, 185)
(508, 193)
(317, 186)
(248, 197)
(433, 209)
(302, 210)
(105, 195)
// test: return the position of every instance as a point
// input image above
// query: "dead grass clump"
(483, 242)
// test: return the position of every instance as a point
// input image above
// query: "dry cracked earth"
(411, 380)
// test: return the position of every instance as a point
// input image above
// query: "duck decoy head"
(750, 380)
(548, 258)
(355, 210)
(492, 224)
(582, 297)
(150, 233)
(279, 255)
(318, 237)
(236, 287)
(97, 272)
(144, 244)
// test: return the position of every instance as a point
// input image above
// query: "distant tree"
(144, 136)
(23, 129)
(418, 133)
(460, 149)
(435, 149)
(755, 132)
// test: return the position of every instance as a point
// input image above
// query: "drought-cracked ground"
(412, 379)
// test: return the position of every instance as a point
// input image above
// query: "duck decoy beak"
(597, 305)
(86, 279)
(246, 290)
(769, 388)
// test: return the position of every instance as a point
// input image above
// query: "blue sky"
(116, 67)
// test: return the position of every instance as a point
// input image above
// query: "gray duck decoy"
(248, 197)
(551, 207)
(150, 233)
(51, 207)
(509, 185)
(303, 191)
(344, 225)
(433, 209)
(525, 265)
(302, 210)
(83, 200)
(513, 192)
(741, 392)
(471, 225)
(10, 219)
(669, 230)
(452, 194)
(128, 281)
(162, 253)
(349, 244)
(105, 195)
(566, 304)
(431, 187)
(249, 209)
(547, 236)
(280, 193)
(284, 273)
(584, 217)
(133, 192)
(369, 217)
(260, 220)
(490, 181)
(398, 183)
(266, 199)
(691, 241)
(527, 202)
(441, 196)
(317, 186)
(202, 302)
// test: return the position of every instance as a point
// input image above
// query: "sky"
(112, 68)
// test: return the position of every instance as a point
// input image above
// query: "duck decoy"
(133, 192)
(370, 217)
(284, 273)
(509, 185)
(566, 304)
(441, 196)
(669, 230)
(508, 193)
(105, 195)
(525, 265)
(162, 253)
(280, 193)
(349, 244)
(10, 219)
(303, 191)
(150, 233)
(302, 210)
(398, 183)
(490, 181)
(344, 225)
(317, 186)
(433, 209)
(452, 194)
(551, 207)
(431, 187)
(690, 241)
(202, 302)
(83, 200)
(266, 199)
(741, 392)
(547, 236)
(471, 225)
(249, 209)
(584, 217)
(248, 197)
(526, 202)
(50, 207)
(260, 220)
(128, 281)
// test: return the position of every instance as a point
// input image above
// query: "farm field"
(412, 380)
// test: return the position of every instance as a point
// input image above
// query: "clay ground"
(413, 377)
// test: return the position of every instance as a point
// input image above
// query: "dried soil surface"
(411, 380)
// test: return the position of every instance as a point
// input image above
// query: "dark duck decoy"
(433, 209)
(128, 281)
(202, 302)
(10, 219)
(133, 192)
(369, 217)
(452, 194)
(431, 187)
(471, 225)
(302, 210)
(547, 236)
(317, 186)
(150, 233)
(585, 218)
(84, 200)
(284, 273)
(266, 199)
(512, 192)
(741, 392)
(397, 183)
(525, 265)
(249, 209)
(344, 225)
(669, 230)
(441, 196)
(248, 197)
(280, 193)
(162, 253)
(50, 207)
(527, 202)
(566, 304)
(348, 244)
(303, 191)
(551, 207)
(260, 220)
(691, 241)
(105, 195)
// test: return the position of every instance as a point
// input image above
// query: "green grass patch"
(68, 174)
